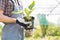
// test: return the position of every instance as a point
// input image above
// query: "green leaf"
(17, 12)
(31, 5)
(27, 11)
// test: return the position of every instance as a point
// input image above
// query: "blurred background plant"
(53, 30)
(1, 26)
(52, 33)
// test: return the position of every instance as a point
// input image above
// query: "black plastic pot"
(32, 23)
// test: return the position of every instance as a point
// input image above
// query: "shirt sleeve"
(2, 4)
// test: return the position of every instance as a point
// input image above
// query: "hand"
(22, 22)
(31, 23)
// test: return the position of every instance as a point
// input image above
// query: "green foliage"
(53, 30)
(0, 30)
(37, 33)
(29, 10)
(58, 31)
(53, 37)
(17, 12)
(31, 5)
(53, 33)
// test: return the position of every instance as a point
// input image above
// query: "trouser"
(13, 31)
(44, 28)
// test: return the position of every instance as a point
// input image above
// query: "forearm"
(6, 19)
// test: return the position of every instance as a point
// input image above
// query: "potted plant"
(28, 11)
(28, 18)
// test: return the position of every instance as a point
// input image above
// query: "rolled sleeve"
(2, 4)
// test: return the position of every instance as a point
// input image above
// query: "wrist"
(13, 20)
(17, 21)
